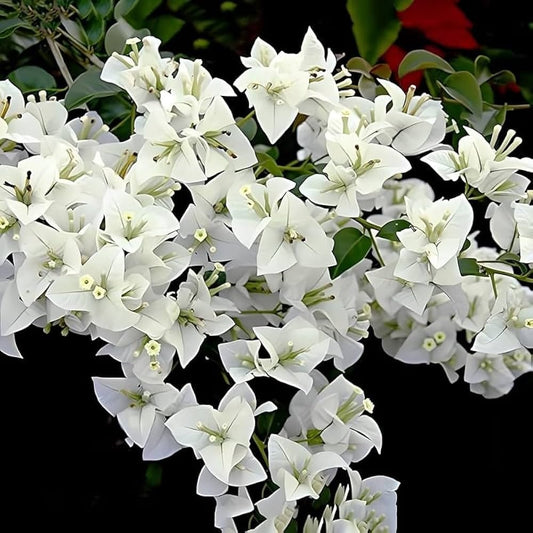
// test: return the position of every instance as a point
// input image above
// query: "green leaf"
(88, 86)
(360, 65)
(272, 151)
(103, 7)
(154, 475)
(469, 267)
(268, 163)
(176, 5)
(8, 26)
(466, 245)
(165, 26)
(84, 7)
(401, 5)
(95, 28)
(422, 60)
(375, 27)
(75, 30)
(390, 229)
(350, 247)
(123, 7)
(463, 87)
(249, 128)
(31, 78)
(117, 35)
(139, 13)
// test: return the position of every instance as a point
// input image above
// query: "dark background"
(464, 462)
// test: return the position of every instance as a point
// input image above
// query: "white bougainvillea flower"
(415, 123)
(277, 511)
(220, 437)
(25, 188)
(194, 318)
(379, 494)
(293, 236)
(128, 222)
(293, 350)
(523, 215)
(137, 406)
(483, 166)
(297, 471)
(49, 255)
(488, 374)
(98, 288)
(142, 73)
(274, 89)
(250, 206)
(192, 150)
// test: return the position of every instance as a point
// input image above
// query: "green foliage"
(30, 78)
(350, 247)
(87, 87)
(374, 29)
(390, 229)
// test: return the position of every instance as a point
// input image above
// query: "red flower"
(441, 22)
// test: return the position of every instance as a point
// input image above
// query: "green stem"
(366, 224)
(490, 271)
(241, 121)
(376, 249)
(261, 447)
(56, 52)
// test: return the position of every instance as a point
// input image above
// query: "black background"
(464, 462)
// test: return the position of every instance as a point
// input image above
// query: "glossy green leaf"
(31, 78)
(88, 86)
(466, 245)
(103, 7)
(375, 27)
(422, 60)
(469, 267)
(84, 7)
(350, 247)
(463, 87)
(117, 35)
(249, 128)
(390, 229)
(8, 26)
(360, 65)
(165, 26)
(95, 28)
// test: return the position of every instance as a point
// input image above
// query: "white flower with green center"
(297, 471)
(488, 374)
(193, 318)
(143, 73)
(414, 124)
(128, 222)
(483, 166)
(100, 288)
(293, 236)
(220, 437)
(338, 421)
(379, 495)
(293, 351)
(191, 150)
(26, 188)
(49, 254)
(139, 407)
(274, 89)
(434, 240)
